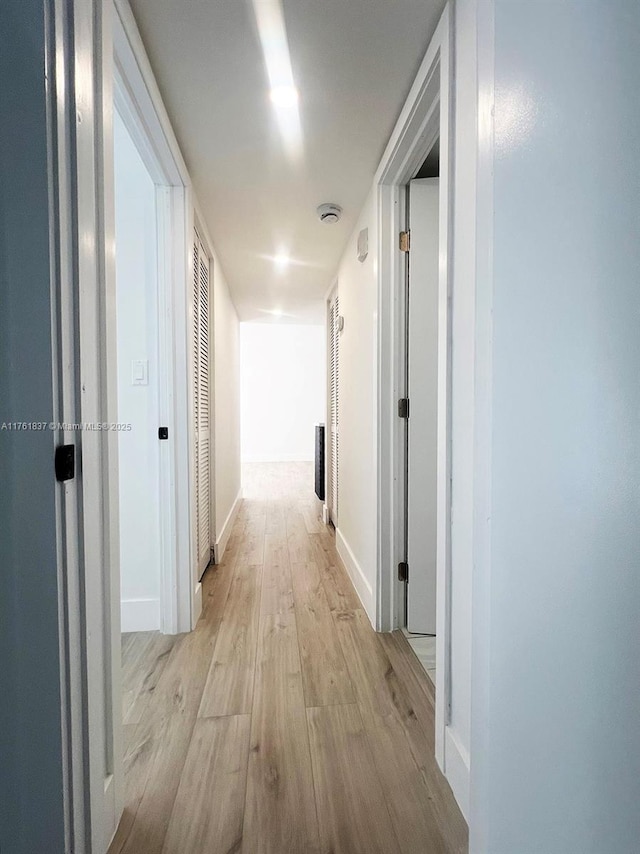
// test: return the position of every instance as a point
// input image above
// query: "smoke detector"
(329, 213)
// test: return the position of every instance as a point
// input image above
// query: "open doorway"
(150, 343)
(138, 385)
(419, 150)
(282, 370)
(421, 422)
(143, 436)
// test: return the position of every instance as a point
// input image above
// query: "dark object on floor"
(320, 461)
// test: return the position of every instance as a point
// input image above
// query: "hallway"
(283, 723)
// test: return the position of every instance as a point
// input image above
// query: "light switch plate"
(140, 372)
(363, 245)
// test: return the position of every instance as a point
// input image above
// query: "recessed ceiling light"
(275, 312)
(281, 260)
(282, 89)
(284, 96)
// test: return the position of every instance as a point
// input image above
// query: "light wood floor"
(283, 724)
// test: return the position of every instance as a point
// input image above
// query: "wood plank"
(229, 556)
(277, 592)
(325, 545)
(341, 594)
(312, 515)
(169, 743)
(180, 686)
(406, 663)
(254, 502)
(251, 549)
(133, 649)
(208, 811)
(408, 797)
(379, 691)
(216, 583)
(352, 812)
(280, 815)
(451, 822)
(126, 639)
(229, 686)
(276, 518)
(158, 748)
(324, 671)
(134, 645)
(298, 540)
(443, 805)
(387, 697)
(150, 667)
(139, 753)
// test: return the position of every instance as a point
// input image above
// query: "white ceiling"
(353, 62)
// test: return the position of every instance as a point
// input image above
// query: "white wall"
(357, 481)
(137, 329)
(227, 410)
(283, 383)
(556, 714)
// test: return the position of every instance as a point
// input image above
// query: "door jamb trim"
(426, 115)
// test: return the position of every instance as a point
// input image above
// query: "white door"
(202, 397)
(423, 410)
(334, 395)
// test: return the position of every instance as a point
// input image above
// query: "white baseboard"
(278, 458)
(357, 576)
(223, 539)
(140, 615)
(457, 770)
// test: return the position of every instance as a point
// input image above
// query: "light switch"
(140, 372)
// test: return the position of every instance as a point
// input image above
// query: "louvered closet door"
(202, 398)
(334, 394)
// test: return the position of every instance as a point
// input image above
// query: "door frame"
(65, 147)
(139, 105)
(85, 38)
(426, 116)
(79, 75)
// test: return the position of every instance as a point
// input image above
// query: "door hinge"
(403, 571)
(403, 407)
(163, 432)
(65, 462)
(405, 241)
